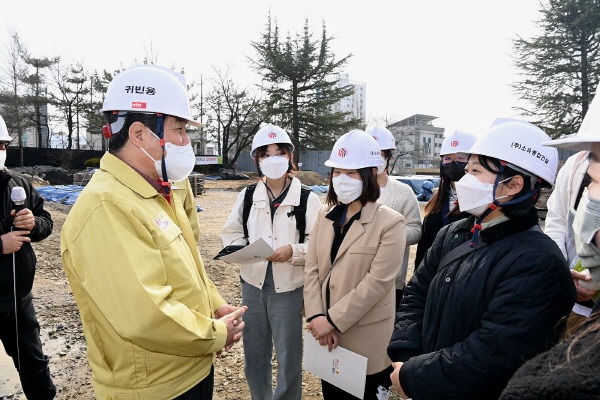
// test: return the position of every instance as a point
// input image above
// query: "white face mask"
(475, 196)
(347, 189)
(274, 167)
(585, 225)
(381, 168)
(179, 161)
(2, 158)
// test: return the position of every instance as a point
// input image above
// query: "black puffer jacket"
(25, 259)
(463, 331)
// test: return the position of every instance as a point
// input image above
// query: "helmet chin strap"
(477, 225)
(534, 191)
(495, 204)
(160, 132)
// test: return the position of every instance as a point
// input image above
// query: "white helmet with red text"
(270, 134)
(149, 89)
(355, 150)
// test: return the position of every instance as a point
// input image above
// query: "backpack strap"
(587, 179)
(300, 212)
(458, 252)
(246, 208)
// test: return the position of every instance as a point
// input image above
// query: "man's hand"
(395, 377)
(233, 322)
(583, 294)
(281, 254)
(24, 219)
(13, 241)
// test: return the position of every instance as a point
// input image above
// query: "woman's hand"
(395, 377)
(281, 254)
(319, 327)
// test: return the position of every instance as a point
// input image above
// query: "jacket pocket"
(363, 250)
(377, 313)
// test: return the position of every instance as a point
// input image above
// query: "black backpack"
(299, 211)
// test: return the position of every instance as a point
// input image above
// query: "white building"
(418, 144)
(355, 104)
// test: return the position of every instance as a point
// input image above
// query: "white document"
(340, 367)
(254, 252)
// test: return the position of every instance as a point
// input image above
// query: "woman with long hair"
(442, 209)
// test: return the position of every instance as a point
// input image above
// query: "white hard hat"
(4, 136)
(457, 142)
(355, 150)
(149, 89)
(588, 133)
(384, 137)
(269, 134)
(519, 143)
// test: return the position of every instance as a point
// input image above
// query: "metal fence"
(310, 160)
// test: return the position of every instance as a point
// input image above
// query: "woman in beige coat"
(352, 263)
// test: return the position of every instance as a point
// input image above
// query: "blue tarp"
(319, 188)
(64, 194)
(416, 182)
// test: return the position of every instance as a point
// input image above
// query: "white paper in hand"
(254, 252)
(340, 367)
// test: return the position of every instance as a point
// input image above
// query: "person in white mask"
(569, 369)
(493, 289)
(353, 262)
(272, 289)
(398, 196)
(442, 209)
(152, 318)
(575, 195)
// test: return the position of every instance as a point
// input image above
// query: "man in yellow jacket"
(152, 318)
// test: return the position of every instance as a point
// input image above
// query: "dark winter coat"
(431, 226)
(550, 376)
(25, 259)
(464, 330)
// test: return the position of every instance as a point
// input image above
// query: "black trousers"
(382, 378)
(202, 391)
(33, 371)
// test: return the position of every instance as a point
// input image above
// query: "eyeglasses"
(4, 145)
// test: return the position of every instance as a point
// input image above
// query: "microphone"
(18, 197)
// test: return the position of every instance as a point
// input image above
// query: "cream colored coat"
(362, 284)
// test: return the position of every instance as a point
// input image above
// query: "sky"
(449, 59)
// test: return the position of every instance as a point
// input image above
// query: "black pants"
(373, 382)
(202, 391)
(33, 371)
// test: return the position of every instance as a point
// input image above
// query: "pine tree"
(300, 81)
(561, 66)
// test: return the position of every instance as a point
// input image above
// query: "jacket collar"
(367, 214)
(291, 199)
(504, 229)
(128, 176)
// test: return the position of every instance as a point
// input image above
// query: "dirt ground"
(62, 333)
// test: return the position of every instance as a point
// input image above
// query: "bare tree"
(38, 96)
(236, 114)
(70, 92)
(13, 89)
